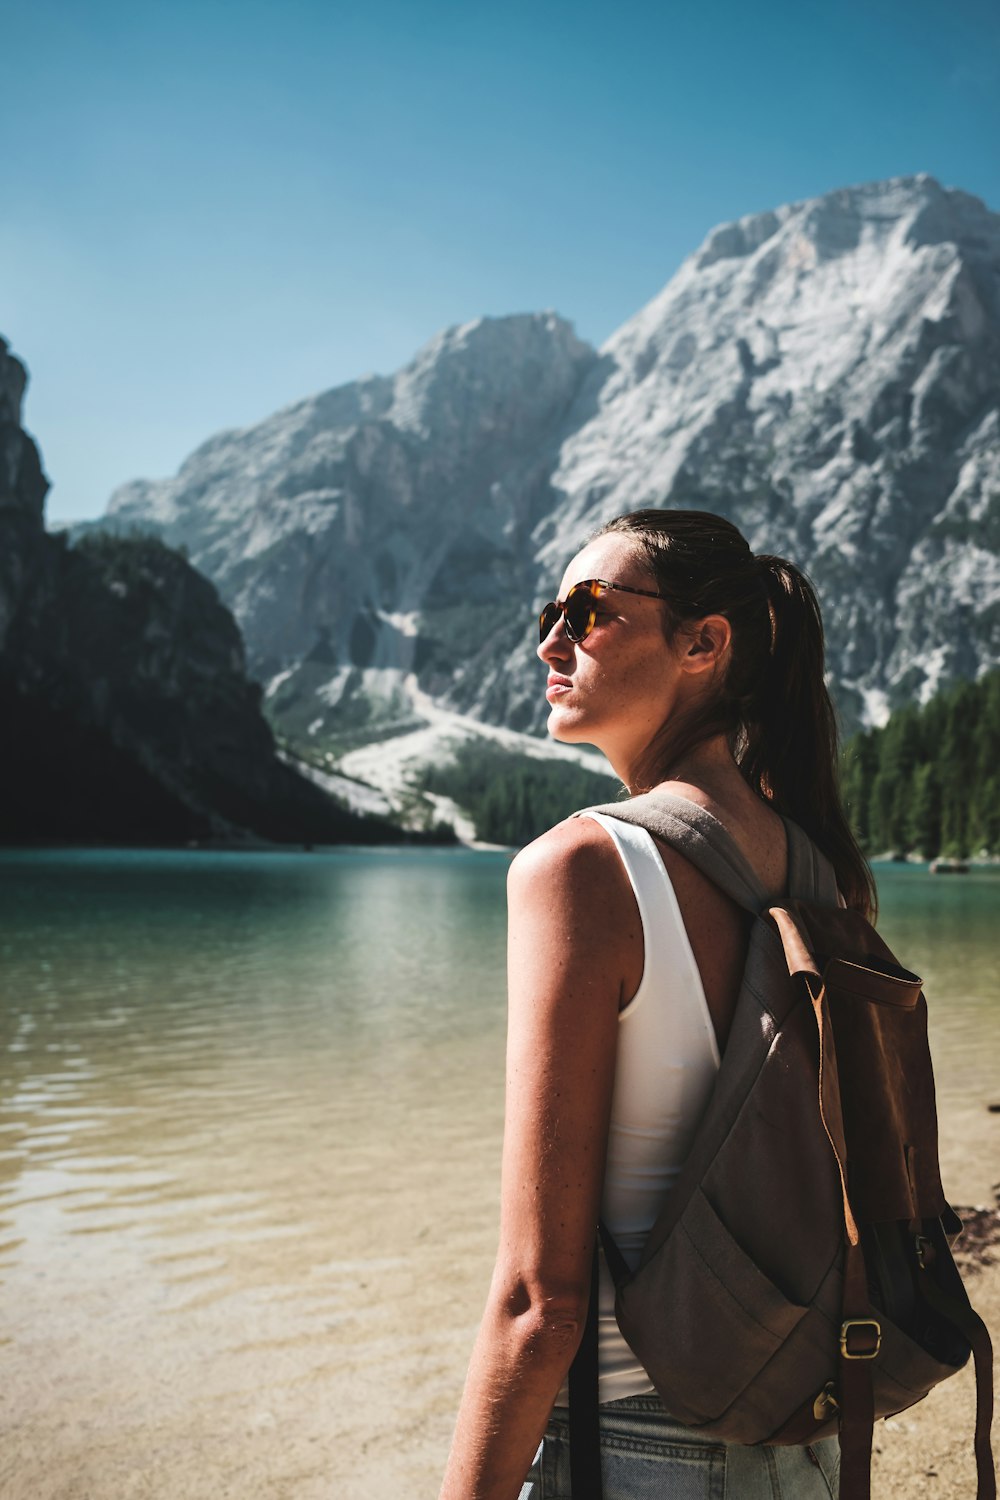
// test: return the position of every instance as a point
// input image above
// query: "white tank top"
(666, 1065)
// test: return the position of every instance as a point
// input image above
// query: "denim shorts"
(645, 1455)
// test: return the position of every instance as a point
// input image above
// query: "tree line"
(928, 781)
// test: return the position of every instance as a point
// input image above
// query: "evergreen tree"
(929, 779)
(860, 764)
(957, 769)
(924, 825)
(901, 751)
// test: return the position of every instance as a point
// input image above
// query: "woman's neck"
(707, 770)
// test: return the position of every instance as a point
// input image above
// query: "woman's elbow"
(544, 1317)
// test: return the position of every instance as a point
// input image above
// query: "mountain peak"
(916, 209)
(474, 366)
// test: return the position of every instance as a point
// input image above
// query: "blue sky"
(212, 209)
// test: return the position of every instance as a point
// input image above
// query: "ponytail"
(790, 741)
(772, 703)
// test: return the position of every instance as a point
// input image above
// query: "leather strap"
(854, 1372)
(829, 1101)
(959, 1312)
(854, 1386)
(614, 1259)
(584, 1410)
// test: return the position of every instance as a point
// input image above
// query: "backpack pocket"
(904, 1371)
(702, 1317)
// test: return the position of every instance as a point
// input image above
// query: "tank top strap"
(667, 947)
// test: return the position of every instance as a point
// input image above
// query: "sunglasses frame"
(590, 586)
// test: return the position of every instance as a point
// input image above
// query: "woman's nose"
(557, 646)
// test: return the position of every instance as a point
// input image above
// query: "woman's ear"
(708, 642)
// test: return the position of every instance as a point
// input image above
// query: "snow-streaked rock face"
(348, 532)
(827, 375)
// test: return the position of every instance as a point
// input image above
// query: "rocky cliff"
(23, 487)
(127, 713)
(826, 374)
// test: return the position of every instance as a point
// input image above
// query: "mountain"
(127, 713)
(366, 533)
(826, 374)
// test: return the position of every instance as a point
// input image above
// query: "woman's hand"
(575, 956)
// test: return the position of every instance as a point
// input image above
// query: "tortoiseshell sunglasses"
(578, 607)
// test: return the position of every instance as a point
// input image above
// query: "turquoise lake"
(250, 1116)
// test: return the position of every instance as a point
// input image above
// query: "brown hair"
(772, 703)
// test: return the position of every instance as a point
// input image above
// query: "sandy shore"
(145, 1368)
(927, 1451)
(305, 1415)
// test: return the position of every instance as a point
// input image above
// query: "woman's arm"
(575, 954)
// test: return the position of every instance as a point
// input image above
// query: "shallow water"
(250, 1114)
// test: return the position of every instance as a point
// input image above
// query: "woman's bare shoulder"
(566, 854)
(574, 874)
(573, 913)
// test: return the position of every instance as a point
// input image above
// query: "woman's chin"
(563, 726)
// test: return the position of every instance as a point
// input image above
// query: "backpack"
(799, 1280)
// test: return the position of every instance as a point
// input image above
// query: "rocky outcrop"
(23, 487)
(826, 374)
(127, 712)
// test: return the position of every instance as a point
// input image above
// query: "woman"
(697, 668)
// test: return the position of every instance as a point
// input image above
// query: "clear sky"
(211, 208)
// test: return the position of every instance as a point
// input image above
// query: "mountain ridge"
(825, 373)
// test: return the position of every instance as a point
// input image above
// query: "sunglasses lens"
(579, 613)
(546, 620)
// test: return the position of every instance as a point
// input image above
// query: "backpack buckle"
(860, 1338)
(826, 1404)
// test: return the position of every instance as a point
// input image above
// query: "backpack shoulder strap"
(811, 876)
(700, 837)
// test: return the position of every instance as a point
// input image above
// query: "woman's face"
(618, 686)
